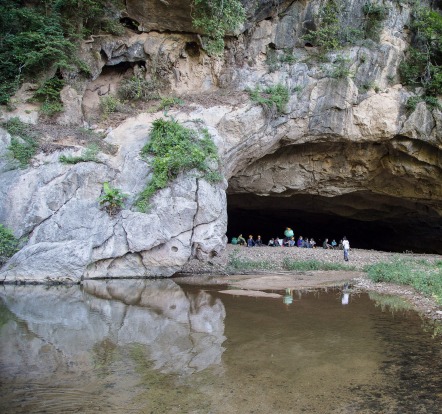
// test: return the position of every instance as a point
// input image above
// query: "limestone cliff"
(344, 145)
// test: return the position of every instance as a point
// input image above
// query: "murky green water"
(157, 347)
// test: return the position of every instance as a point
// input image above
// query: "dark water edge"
(147, 346)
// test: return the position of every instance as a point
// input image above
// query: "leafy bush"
(422, 66)
(8, 244)
(136, 88)
(290, 264)
(327, 35)
(110, 104)
(216, 18)
(89, 155)
(24, 143)
(430, 101)
(276, 96)
(374, 13)
(40, 37)
(49, 94)
(424, 276)
(112, 199)
(340, 68)
(173, 149)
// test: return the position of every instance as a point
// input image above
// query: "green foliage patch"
(423, 275)
(273, 97)
(8, 244)
(24, 142)
(173, 149)
(112, 199)
(237, 263)
(138, 89)
(49, 94)
(422, 66)
(215, 18)
(88, 155)
(304, 265)
(41, 37)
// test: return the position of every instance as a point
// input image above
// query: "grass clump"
(88, 155)
(304, 265)
(424, 276)
(173, 149)
(340, 68)
(273, 97)
(431, 101)
(375, 14)
(8, 244)
(24, 143)
(237, 263)
(110, 104)
(166, 103)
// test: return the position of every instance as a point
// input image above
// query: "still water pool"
(153, 346)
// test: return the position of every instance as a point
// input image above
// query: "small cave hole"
(130, 23)
(308, 44)
(174, 249)
(192, 49)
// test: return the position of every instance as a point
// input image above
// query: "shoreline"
(219, 271)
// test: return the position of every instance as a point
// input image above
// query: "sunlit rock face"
(344, 145)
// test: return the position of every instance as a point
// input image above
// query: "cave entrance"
(368, 220)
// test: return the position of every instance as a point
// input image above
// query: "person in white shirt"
(346, 246)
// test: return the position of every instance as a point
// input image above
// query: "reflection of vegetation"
(164, 394)
(303, 265)
(433, 327)
(392, 303)
(423, 275)
(5, 314)
(104, 354)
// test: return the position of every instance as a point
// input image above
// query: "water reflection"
(155, 313)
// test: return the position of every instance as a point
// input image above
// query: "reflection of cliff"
(183, 333)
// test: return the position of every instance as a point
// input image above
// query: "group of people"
(289, 241)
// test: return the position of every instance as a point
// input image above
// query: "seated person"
(285, 241)
(278, 242)
(292, 242)
(241, 240)
(300, 242)
(326, 244)
(334, 244)
(307, 243)
(250, 241)
(258, 242)
(312, 243)
(271, 242)
(341, 246)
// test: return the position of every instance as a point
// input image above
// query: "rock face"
(344, 145)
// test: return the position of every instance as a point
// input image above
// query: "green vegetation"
(23, 141)
(173, 149)
(274, 59)
(88, 155)
(8, 244)
(340, 68)
(237, 263)
(138, 89)
(422, 66)
(424, 276)
(112, 199)
(327, 35)
(41, 38)
(390, 302)
(430, 101)
(166, 103)
(216, 18)
(110, 104)
(374, 13)
(272, 97)
(304, 265)
(49, 94)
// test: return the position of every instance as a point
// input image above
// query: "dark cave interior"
(368, 221)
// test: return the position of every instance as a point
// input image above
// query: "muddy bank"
(220, 271)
